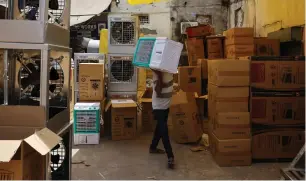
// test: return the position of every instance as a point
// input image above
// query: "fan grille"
(122, 33)
(122, 70)
(59, 83)
(56, 13)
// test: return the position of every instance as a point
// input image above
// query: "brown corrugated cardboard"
(228, 99)
(229, 72)
(91, 84)
(240, 36)
(278, 108)
(200, 31)
(266, 47)
(123, 119)
(232, 152)
(240, 32)
(204, 68)
(236, 51)
(215, 44)
(211, 55)
(278, 75)
(24, 142)
(195, 49)
(185, 120)
(239, 41)
(273, 144)
(231, 125)
(200, 100)
(148, 124)
(190, 79)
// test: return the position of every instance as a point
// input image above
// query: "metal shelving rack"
(46, 36)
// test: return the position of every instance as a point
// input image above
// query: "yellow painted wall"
(272, 15)
(136, 2)
(269, 15)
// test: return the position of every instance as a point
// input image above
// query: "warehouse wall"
(266, 15)
(159, 15)
(213, 11)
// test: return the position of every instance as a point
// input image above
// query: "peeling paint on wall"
(147, 31)
(137, 2)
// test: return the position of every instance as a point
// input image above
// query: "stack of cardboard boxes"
(277, 106)
(228, 111)
(239, 42)
(92, 96)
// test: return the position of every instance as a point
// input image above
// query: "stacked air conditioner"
(122, 75)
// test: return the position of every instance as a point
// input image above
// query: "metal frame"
(40, 31)
(84, 56)
(61, 119)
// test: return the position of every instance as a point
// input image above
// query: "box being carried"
(24, 142)
(158, 53)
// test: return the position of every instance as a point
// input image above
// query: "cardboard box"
(231, 152)
(91, 82)
(86, 139)
(202, 110)
(274, 144)
(276, 74)
(236, 51)
(211, 55)
(231, 125)
(185, 120)
(215, 47)
(190, 79)
(266, 47)
(123, 119)
(227, 99)
(278, 108)
(200, 31)
(204, 68)
(214, 44)
(239, 36)
(229, 72)
(195, 49)
(148, 123)
(24, 143)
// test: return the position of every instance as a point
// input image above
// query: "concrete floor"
(130, 160)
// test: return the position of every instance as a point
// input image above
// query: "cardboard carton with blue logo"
(187, 126)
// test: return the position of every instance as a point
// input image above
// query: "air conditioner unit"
(185, 25)
(122, 33)
(122, 75)
(84, 58)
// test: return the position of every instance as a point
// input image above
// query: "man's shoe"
(157, 151)
(171, 163)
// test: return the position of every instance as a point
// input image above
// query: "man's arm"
(159, 82)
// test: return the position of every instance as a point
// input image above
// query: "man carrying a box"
(161, 98)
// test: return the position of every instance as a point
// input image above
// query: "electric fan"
(122, 33)
(29, 76)
(121, 74)
(29, 10)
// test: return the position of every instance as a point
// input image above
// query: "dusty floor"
(130, 160)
